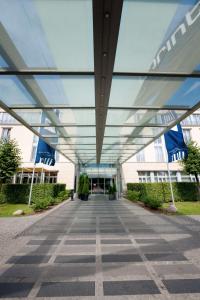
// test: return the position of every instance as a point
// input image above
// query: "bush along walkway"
(43, 197)
(100, 248)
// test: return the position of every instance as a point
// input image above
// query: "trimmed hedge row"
(19, 193)
(183, 191)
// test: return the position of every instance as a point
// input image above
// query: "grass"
(186, 208)
(6, 210)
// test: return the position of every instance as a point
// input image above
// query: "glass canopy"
(99, 80)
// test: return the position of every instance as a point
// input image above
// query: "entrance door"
(100, 185)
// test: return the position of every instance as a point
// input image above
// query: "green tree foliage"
(191, 164)
(85, 190)
(10, 159)
(80, 184)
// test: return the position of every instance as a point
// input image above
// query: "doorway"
(100, 185)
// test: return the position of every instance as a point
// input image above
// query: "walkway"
(104, 249)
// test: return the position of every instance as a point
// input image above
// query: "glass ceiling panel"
(58, 116)
(68, 90)
(47, 90)
(58, 39)
(141, 117)
(170, 47)
(132, 131)
(154, 91)
(69, 131)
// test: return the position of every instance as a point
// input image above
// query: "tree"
(10, 159)
(191, 164)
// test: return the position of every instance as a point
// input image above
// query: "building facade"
(149, 165)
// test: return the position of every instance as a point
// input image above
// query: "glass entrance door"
(100, 185)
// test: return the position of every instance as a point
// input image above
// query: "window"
(5, 133)
(34, 148)
(5, 118)
(144, 176)
(140, 157)
(186, 135)
(158, 150)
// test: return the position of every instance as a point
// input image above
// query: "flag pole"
(172, 206)
(32, 179)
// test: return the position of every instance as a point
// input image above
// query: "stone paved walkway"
(104, 249)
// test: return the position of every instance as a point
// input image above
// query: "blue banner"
(45, 154)
(175, 144)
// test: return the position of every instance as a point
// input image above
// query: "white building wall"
(24, 138)
(130, 169)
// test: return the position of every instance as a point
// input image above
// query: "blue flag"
(45, 154)
(175, 144)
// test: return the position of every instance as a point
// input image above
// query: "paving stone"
(83, 230)
(15, 289)
(121, 258)
(75, 259)
(66, 289)
(35, 250)
(165, 257)
(75, 249)
(116, 241)
(29, 259)
(80, 242)
(112, 230)
(22, 272)
(68, 272)
(121, 271)
(151, 241)
(182, 286)
(177, 269)
(139, 287)
(43, 242)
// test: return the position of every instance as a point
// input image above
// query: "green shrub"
(2, 198)
(133, 195)
(63, 195)
(183, 191)
(40, 203)
(19, 193)
(153, 203)
(15, 193)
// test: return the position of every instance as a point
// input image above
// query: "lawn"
(6, 210)
(186, 208)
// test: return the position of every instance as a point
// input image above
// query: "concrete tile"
(106, 258)
(121, 271)
(66, 289)
(139, 287)
(177, 269)
(116, 241)
(15, 289)
(63, 272)
(182, 286)
(75, 259)
(80, 242)
(165, 257)
(29, 259)
(43, 242)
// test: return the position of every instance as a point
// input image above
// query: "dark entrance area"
(100, 185)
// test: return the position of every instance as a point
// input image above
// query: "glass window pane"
(141, 117)
(143, 45)
(154, 91)
(68, 90)
(59, 33)
(57, 117)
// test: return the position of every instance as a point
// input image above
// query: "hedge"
(19, 193)
(183, 191)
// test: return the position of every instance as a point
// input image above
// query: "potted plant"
(112, 192)
(85, 190)
(80, 186)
